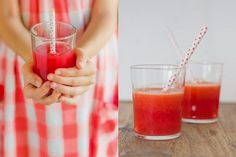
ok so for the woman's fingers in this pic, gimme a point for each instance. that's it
(41, 95)
(29, 76)
(70, 72)
(29, 91)
(43, 90)
(33, 79)
(89, 69)
(67, 90)
(68, 100)
(81, 58)
(36, 93)
(71, 81)
(54, 97)
(35, 88)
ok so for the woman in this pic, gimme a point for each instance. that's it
(34, 123)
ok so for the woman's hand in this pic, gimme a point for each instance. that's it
(72, 82)
(35, 89)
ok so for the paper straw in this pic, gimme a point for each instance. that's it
(177, 49)
(173, 41)
(52, 27)
(186, 57)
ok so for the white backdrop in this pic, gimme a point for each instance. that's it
(144, 39)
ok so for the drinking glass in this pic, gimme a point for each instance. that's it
(157, 112)
(202, 92)
(46, 61)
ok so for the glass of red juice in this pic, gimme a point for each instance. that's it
(157, 112)
(1, 81)
(46, 61)
(202, 92)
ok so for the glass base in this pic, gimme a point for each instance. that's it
(167, 137)
(199, 121)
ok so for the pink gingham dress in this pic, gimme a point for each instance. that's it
(32, 130)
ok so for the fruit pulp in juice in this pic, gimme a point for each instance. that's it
(201, 100)
(157, 113)
(46, 62)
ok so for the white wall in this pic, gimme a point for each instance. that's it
(143, 37)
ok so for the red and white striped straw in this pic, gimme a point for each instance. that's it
(186, 57)
(52, 27)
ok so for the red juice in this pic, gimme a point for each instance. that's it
(201, 100)
(1, 92)
(157, 113)
(46, 62)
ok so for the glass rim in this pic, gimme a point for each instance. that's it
(156, 66)
(60, 38)
(205, 63)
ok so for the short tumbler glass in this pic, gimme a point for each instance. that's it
(47, 61)
(157, 112)
(202, 92)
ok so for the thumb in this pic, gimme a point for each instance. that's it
(81, 59)
(29, 76)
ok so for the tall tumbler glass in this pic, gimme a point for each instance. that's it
(202, 92)
(157, 113)
(45, 61)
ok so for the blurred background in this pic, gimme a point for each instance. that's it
(144, 37)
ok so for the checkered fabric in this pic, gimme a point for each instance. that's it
(88, 129)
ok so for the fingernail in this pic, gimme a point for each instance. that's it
(37, 83)
(50, 77)
(58, 72)
(54, 85)
(48, 84)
